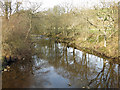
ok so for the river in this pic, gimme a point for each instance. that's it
(54, 65)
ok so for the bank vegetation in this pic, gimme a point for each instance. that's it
(93, 28)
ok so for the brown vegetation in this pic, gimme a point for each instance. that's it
(94, 28)
(14, 33)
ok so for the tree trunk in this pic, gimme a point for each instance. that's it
(17, 6)
(10, 8)
(105, 38)
(6, 10)
(29, 28)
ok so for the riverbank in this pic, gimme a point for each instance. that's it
(55, 65)
(83, 46)
(110, 52)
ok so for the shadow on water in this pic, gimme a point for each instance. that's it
(54, 65)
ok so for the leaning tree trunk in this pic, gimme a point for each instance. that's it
(30, 18)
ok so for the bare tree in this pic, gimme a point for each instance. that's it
(34, 8)
(18, 6)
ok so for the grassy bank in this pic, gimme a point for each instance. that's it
(110, 52)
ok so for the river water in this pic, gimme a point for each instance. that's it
(54, 65)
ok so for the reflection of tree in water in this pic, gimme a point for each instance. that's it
(105, 78)
(119, 73)
(71, 66)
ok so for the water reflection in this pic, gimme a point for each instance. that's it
(80, 68)
(54, 65)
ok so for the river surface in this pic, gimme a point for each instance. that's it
(54, 65)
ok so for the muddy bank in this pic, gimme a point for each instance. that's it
(8, 60)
